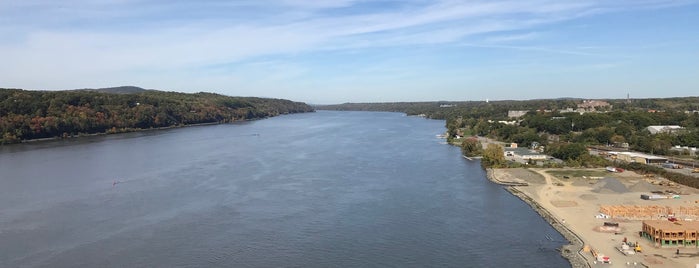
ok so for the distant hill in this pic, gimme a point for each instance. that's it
(27, 114)
(117, 90)
(498, 109)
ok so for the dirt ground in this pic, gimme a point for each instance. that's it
(575, 201)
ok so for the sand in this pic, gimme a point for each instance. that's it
(610, 186)
(571, 206)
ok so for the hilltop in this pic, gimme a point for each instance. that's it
(117, 90)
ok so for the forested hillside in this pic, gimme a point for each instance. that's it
(26, 115)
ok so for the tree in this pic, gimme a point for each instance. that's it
(624, 129)
(26, 115)
(568, 152)
(617, 139)
(493, 156)
(471, 147)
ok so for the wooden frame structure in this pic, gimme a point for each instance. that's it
(649, 212)
(664, 233)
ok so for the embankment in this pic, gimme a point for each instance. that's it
(573, 251)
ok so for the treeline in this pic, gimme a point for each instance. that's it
(26, 115)
(625, 122)
(497, 110)
(446, 109)
(612, 128)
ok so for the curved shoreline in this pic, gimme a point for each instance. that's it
(573, 250)
(132, 130)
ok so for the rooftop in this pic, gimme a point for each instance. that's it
(669, 226)
(646, 156)
(522, 151)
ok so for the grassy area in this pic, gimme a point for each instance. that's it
(577, 173)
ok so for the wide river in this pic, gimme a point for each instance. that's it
(324, 189)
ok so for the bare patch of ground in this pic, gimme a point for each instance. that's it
(527, 175)
(588, 197)
(564, 203)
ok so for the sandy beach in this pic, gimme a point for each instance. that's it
(570, 200)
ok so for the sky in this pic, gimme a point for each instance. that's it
(336, 51)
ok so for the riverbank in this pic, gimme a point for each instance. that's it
(130, 130)
(571, 204)
(572, 251)
(127, 130)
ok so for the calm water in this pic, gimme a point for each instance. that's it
(327, 189)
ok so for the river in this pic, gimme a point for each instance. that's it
(324, 189)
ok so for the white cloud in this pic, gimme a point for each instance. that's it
(61, 42)
(512, 37)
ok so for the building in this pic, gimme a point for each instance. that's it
(665, 233)
(685, 150)
(591, 105)
(664, 129)
(511, 123)
(639, 158)
(516, 114)
(524, 153)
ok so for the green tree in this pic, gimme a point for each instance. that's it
(568, 152)
(493, 156)
(26, 115)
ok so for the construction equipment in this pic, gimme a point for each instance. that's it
(626, 250)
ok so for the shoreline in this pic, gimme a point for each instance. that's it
(573, 251)
(132, 130)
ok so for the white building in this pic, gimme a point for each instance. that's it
(524, 153)
(664, 129)
(516, 114)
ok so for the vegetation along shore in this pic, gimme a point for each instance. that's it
(35, 115)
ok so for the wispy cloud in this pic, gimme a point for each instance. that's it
(540, 49)
(66, 40)
(512, 37)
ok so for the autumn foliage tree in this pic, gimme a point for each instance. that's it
(471, 147)
(26, 115)
(493, 156)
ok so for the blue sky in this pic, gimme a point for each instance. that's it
(357, 50)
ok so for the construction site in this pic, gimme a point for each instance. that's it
(622, 219)
(664, 233)
(651, 212)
